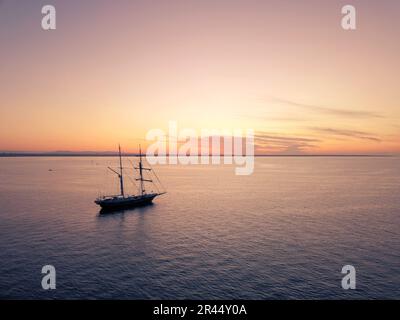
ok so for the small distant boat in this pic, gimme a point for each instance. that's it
(122, 201)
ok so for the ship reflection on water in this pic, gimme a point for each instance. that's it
(140, 208)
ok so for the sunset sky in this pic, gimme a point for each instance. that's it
(113, 70)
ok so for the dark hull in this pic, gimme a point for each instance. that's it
(125, 204)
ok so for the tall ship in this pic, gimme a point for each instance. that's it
(124, 201)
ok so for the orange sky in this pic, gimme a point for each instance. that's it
(115, 69)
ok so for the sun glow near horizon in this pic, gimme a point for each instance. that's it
(110, 73)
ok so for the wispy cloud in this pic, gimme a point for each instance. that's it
(347, 133)
(328, 110)
(273, 118)
(267, 142)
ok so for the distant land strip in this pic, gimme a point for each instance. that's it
(115, 154)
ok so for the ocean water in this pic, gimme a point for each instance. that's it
(284, 232)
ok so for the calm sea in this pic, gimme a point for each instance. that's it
(284, 232)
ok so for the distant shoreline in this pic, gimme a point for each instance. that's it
(113, 154)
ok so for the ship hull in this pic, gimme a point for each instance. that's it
(125, 203)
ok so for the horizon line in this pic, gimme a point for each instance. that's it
(9, 154)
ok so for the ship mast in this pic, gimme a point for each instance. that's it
(141, 171)
(141, 168)
(121, 179)
(120, 173)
